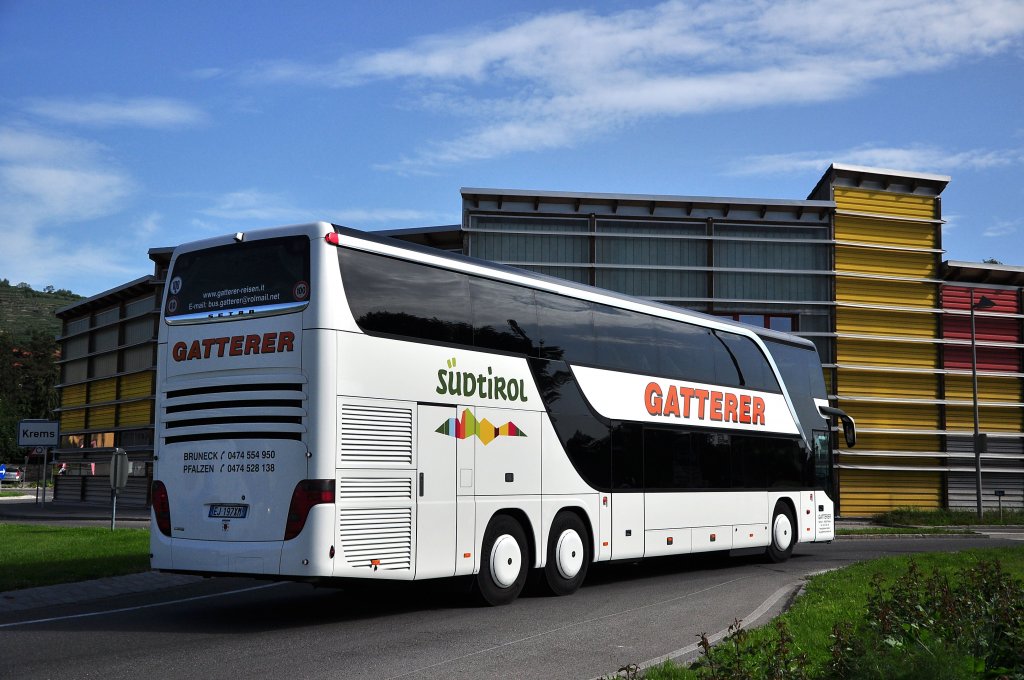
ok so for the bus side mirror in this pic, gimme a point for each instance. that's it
(849, 427)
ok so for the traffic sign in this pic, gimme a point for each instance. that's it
(3, 471)
(37, 433)
(120, 467)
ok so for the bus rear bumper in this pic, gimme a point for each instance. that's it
(293, 558)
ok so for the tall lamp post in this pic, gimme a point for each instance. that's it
(979, 443)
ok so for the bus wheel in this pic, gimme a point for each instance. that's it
(783, 536)
(505, 559)
(568, 554)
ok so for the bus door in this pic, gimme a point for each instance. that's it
(436, 483)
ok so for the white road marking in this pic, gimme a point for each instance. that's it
(138, 607)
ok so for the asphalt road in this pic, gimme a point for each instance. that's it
(629, 613)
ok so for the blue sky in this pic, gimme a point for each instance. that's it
(130, 125)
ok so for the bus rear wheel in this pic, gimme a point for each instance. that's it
(568, 555)
(504, 566)
(783, 534)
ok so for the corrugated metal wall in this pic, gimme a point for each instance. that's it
(1000, 411)
(887, 349)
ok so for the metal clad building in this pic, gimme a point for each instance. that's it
(857, 268)
(107, 388)
(761, 261)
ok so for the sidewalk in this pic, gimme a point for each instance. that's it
(25, 509)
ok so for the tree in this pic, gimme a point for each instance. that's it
(28, 373)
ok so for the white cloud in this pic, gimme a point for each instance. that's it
(1001, 228)
(253, 205)
(549, 81)
(148, 112)
(914, 158)
(51, 188)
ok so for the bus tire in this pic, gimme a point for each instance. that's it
(568, 554)
(505, 562)
(782, 533)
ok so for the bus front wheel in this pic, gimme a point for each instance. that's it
(783, 534)
(568, 554)
(504, 563)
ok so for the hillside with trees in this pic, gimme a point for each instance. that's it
(28, 355)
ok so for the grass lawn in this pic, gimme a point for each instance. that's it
(38, 555)
(842, 595)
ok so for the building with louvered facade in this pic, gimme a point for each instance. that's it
(107, 387)
(858, 268)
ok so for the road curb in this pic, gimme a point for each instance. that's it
(873, 537)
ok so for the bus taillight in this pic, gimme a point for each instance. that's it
(308, 492)
(161, 508)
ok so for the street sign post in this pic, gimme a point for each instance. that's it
(120, 468)
(39, 433)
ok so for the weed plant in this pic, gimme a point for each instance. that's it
(964, 621)
(918, 517)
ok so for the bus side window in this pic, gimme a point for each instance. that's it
(566, 329)
(504, 317)
(684, 351)
(407, 299)
(755, 373)
(625, 340)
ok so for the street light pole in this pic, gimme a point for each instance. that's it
(983, 303)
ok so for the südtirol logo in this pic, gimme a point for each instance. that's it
(468, 426)
(483, 385)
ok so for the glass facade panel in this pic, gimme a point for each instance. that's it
(76, 325)
(105, 339)
(140, 306)
(139, 330)
(502, 223)
(771, 255)
(652, 251)
(575, 274)
(653, 283)
(104, 365)
(651, 227)
(107, 316)
(530, 248)
(75, 371)
(783, 287)
(138, 358)
(76, 347)
(771, 232)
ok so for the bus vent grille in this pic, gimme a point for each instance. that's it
(258, 407)
(376, 435)
(376, 537)
(353, 488)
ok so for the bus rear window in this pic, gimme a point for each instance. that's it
(267, 275)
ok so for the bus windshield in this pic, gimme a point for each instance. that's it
(267, 275)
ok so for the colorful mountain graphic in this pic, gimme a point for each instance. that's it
(468, 426)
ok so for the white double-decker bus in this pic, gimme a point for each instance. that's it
(337, 405)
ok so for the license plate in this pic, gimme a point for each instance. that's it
(229, 511)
